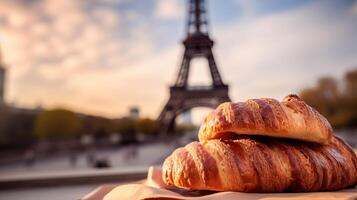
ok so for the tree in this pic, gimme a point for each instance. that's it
(327, 88)
(126, 128)
(16, 128)
(350, 99)
(97, 126)
(351, 83)
(57, 124)
(338, 106)
(323, 96)
(20, 127)
(124, 125)
(4, 118)
(147, 126)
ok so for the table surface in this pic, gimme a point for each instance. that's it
(53, 193)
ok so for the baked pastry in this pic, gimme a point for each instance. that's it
(291, 118)
(262, 164)
(263, 145)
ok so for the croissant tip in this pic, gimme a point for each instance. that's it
(292, 97)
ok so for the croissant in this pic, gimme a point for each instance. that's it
(262, 164)
(233, 153)
(257, 164)
(291, 118)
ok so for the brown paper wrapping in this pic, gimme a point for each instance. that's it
(154, 188)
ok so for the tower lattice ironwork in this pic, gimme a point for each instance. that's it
(182, 96)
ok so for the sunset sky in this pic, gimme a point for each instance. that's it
(101, 57)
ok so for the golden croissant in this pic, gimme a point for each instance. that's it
(263, 145)
(291, 118)
(261, 165)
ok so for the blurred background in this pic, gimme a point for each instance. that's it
(83, 83)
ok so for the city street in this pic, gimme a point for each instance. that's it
(132, 155)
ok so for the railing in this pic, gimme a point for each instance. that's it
(71, 177)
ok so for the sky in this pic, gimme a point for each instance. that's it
(102, 57)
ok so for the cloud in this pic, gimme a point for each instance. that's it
(51, 41)
(107, 17)
(248, 7)
(64, 54)
(117, 89)
(281, 53)
(172, 9)
(67, 53)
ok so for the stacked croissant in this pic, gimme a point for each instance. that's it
(263, 145)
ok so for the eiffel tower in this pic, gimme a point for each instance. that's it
(183, 97)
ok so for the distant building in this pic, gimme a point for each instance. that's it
(134, 112)
(15, 109)
(2, 82)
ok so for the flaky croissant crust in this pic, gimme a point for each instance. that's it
(291, 118)
(262, 164)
